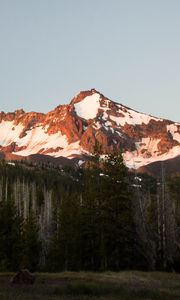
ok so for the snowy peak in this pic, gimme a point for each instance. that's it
(72, 131)
(92, 104)
(83, 94)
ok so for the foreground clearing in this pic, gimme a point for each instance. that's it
(130, 285)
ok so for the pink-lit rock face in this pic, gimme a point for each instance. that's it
(72, 130)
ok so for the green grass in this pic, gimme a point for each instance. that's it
(94, 286)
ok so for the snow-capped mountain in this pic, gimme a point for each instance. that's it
(71, 131)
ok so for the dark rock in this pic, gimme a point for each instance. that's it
(23, 277)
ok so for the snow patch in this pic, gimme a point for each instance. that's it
(37, 139)
(172, 128)
(80, 162)
(132, 117)
(88, 108)
(135, 160)
(70, 151)
(9, 132)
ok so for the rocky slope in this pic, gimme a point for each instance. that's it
(71, 131)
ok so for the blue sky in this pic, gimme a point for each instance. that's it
(127, 49)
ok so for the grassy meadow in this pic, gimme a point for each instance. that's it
(130, 285)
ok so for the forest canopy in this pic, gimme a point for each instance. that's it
(101, 217)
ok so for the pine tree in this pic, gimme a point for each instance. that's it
(65, 246)
(31, 243)
(109, 223)
(10, 237)
(119, 215)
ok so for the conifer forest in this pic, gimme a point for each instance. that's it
(100, 217)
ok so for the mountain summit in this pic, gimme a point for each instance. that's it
(71, 131)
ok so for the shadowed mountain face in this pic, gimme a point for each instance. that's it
(70, 131)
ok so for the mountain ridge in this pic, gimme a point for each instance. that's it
(72, 130)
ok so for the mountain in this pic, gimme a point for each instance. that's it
(70, 131)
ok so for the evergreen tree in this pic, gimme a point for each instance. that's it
(31, 243)
(65, 247)
(119, 214)
(109, 224)
(10, 237)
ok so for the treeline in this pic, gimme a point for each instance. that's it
(98, 218)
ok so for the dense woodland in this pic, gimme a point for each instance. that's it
(101, 217)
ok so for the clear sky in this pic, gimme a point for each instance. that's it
(127, 49)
